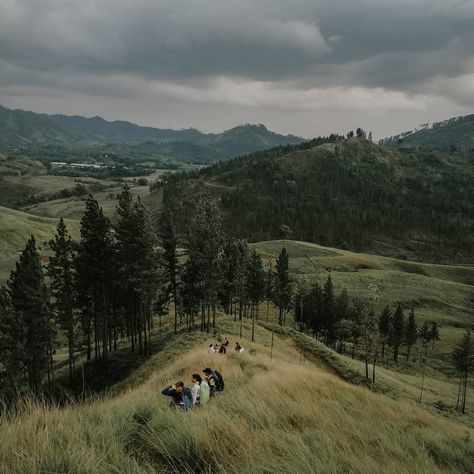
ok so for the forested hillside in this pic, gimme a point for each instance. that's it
(455, 134)
(347, 193)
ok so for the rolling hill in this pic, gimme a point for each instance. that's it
(15, 229)
(346, 193)
(441, 293)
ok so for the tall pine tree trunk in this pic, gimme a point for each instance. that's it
(464, 394)
(252, 312)
(208, 326)
(459, 391)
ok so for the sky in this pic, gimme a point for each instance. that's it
(306, 67)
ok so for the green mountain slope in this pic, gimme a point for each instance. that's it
(38, 134)
(15, 229)
(455, 134)
(348, 194)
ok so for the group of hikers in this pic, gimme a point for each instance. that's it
(221, 347)
(202, 389)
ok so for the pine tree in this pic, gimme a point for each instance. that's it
(301, 292)
(94, 266)
(12, 347)
(255, 286)
(282, 285)
(204, 245)
(342, 305)
(411, 333)
(329, 310)
(169, 242)
(425, 336)
(313, 309)
(463, 357)
(357, 312)
(397, 331)
(385, 320)
(269, 287)
(138, 267)
(228, 261)
(368, 325)
(61, 272)
(241, 279)
(434, 334)
(29, 298)
(191, 291)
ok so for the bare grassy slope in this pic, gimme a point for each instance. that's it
(438, 292)
(15, 229)
(276, 415)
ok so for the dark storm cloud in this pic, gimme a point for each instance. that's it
(300, 54)
(374, 43)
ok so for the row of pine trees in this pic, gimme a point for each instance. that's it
(338, 319)
(95, 292)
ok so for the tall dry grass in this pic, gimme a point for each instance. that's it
(275, 416)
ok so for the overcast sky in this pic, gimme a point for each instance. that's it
(307, 67)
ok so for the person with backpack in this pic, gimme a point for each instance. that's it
(215, 381)
(181, 397)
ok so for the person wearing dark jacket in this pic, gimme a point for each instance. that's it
(179, 398)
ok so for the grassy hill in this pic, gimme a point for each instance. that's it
(15, 229)
(348, 194)
(441, 293)
(281, 414)
(455, 134)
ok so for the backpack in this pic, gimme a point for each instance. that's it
(220, 381)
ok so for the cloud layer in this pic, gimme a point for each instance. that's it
(369, 58)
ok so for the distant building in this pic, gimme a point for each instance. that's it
(62, 164)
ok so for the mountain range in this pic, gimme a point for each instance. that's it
(29, 132)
